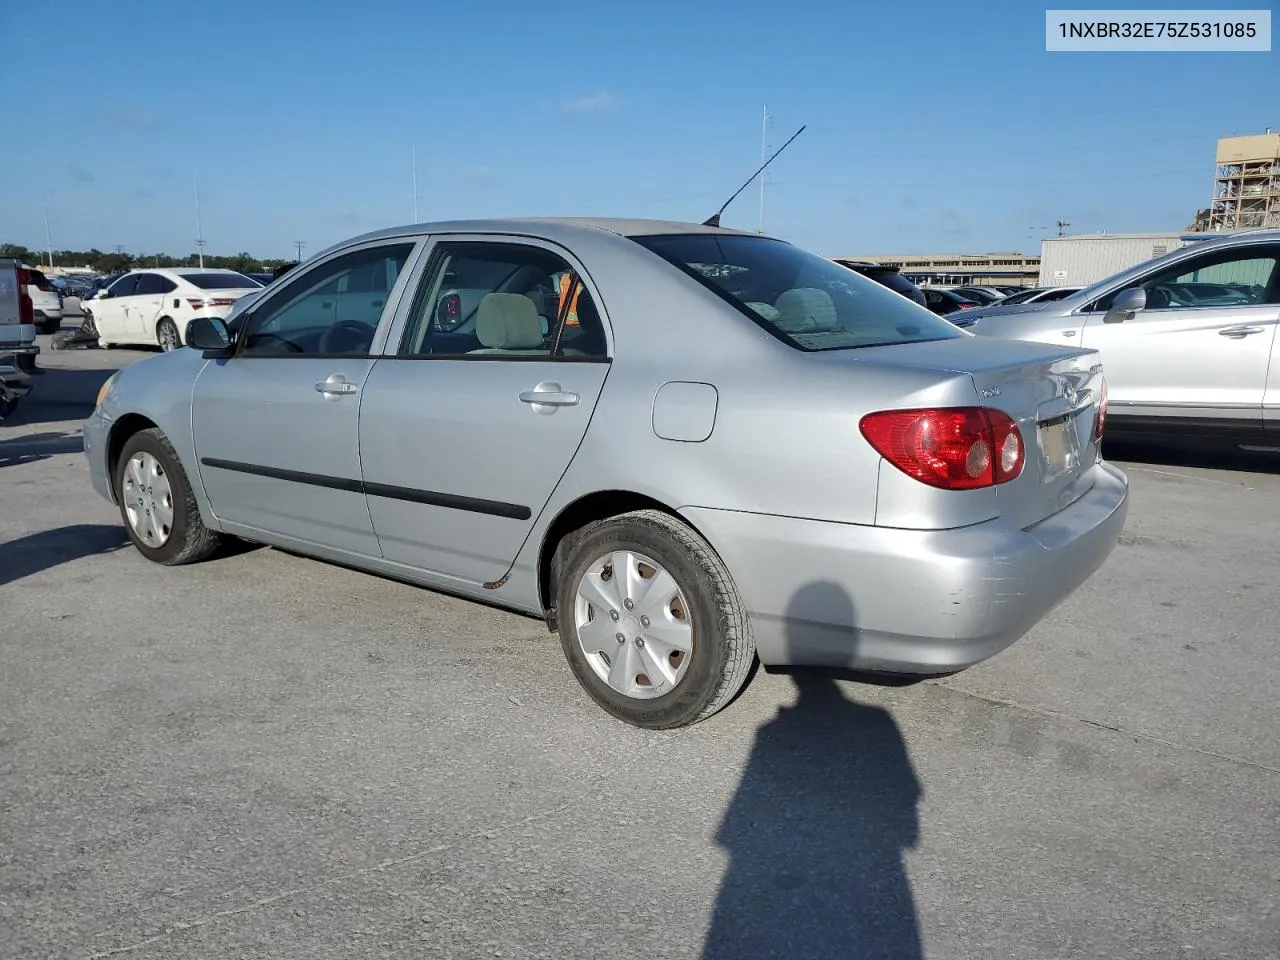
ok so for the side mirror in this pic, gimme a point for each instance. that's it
(102, 294)
(1126, 304)
(209, 334)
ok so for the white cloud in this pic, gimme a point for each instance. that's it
(597, 102)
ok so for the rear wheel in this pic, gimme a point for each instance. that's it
(650, 620)
(167, 335)
(50, 325)
(157, 504)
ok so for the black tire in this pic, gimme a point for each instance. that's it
(167, 335)
(723, 648)
(50, 326)
(189, 541)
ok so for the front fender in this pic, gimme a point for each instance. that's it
(160, 389)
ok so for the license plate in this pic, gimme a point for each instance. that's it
(1058, 442)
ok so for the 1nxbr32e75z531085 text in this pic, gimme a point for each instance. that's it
(1158, 30)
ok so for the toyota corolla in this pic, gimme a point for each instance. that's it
(688, 449)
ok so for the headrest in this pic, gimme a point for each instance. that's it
(508, 321)
(807, 310)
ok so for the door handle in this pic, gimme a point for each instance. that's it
(548, 395)
(1238, 333)
(336, 386)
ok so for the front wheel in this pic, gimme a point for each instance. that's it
(157, 504)
(650, 620)
(167, 335)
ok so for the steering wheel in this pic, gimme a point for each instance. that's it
(362, 336)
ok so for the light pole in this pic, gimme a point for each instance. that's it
(199, 232)
(48, 237)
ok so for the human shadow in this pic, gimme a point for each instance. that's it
(41, 551)
(818, 826)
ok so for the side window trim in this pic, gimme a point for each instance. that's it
(390, 309)
(422, 273)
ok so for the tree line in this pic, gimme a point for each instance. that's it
(113, 262)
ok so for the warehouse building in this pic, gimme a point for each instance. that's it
(958, 269)
(1081, 260)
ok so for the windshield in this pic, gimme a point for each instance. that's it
(221, 281)
(804, 300)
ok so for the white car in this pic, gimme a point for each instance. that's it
(154, 306)
(45, 300)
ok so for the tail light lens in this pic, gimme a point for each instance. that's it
(953, 448)
(26, 309)
(1100, 418)
(199, 303)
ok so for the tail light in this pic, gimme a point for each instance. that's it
(26, 309)
(953, 448)
(1100, 418)
(199, 303)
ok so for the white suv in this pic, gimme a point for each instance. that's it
(45, 299)
(154, 306)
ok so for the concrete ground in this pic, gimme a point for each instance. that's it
(268, 756)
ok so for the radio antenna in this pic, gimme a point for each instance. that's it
(714, 219)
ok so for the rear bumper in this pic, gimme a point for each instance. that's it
(18, 338)
(909, 601)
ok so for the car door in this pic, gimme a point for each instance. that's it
(1201, 347)
(276, 425)
(145, 306)
(109, 313)
(467, 429)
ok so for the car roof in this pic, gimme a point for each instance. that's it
(564, 229)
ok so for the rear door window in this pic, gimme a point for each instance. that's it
(806, 301)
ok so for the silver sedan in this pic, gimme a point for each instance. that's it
(688, 449)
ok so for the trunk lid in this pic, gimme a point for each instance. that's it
(10, 308)
(1051, 392)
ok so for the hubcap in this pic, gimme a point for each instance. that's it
(633, 625)
(148, 499)
(168, 337)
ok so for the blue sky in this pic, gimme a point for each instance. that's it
(931, 126)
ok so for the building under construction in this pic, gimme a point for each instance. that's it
(1246, 187)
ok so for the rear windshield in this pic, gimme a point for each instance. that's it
(221, 281)
(804, 300)
(893, 280)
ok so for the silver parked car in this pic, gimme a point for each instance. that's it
(1188, 338)
(685, 447)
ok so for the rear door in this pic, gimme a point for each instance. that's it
(466, 431)
(1201, 348)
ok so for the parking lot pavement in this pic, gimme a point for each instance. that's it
(268, 756)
